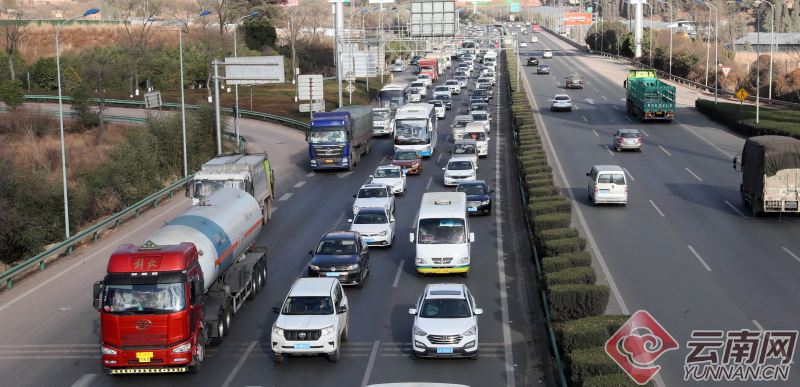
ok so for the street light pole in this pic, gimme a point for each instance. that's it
(61, 119)
(236, 87)
(716, 47)
(651, 33)
(758, 58)
(708, 49)
(670, 34)
(602, 30)
(183, 103)
(771, 45)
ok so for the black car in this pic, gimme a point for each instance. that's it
(479, 199)
(533, 61)
(415, 59)
(479, 94)
(341, 254)
(543, 69)
(447, 101)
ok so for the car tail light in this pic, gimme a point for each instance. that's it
(621, 140)
(595, 189)
(639, 139)
(626, 189)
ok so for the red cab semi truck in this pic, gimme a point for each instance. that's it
(536, 28)
(429, 66)
(161, 303)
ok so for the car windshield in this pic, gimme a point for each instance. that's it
(461, 123)
(445, 98)
(544, 67)
(436, 103)
(461, 165)
(387, 173)
(307, 305)
(411, 132)
(461, 78)
(376, 218)
(441, 231)
(144, 298)
(424, 76)
(478, 107)
(611, 178)
(479, 93)
(475, 136)
(337, 247)
(630, 135)
(369, 193)
(452, 82)
(380, 116)
(442, 89)
(486, 86)
(203, 188)
(405, 156)
(444, 308)
(472, 189)
(417, 84)
(480, 117)
(575, 78)
(461, 74)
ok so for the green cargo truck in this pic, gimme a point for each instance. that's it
(647, 97)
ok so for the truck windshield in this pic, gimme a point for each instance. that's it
(307, 305)
(441, 231)
(203, 188)
(327, 134)
(380, 116)
(412, 132)
(144, 298)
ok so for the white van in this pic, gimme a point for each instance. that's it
(443, 236)
(608, 184)
(477, 131)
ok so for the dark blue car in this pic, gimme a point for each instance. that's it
(479, 199)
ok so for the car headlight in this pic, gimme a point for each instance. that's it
(420, 261)
(419, 332)
(471, 174)
(398, 184)
(186, 347)
(471, 331)
(107, 351)
(485, 202)
(463, 261)
(313, 267)
(356, 208)
(277, 331)
(414, 165)
(328, 330)
(351, 267)
(427, 148)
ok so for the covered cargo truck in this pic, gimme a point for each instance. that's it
(770, 173)
(337, 139)
(249, 172)
(429, 66)
(162, 302)
(647, 97)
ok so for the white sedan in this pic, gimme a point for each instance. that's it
(376, 226)
(561, 102)
(374, 195)
(392, 176)
(523, 44)
(459, 169)
(398, 67)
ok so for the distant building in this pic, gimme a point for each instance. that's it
(784, 41)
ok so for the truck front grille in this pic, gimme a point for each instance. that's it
(436, 339)
(328, 151)
(302, 335)
(144, 340)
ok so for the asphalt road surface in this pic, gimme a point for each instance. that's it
(52, 334)
(685, 248)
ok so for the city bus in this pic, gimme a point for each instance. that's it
(415, 128)
(394, 96)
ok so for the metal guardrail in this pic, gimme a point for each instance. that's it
(664, 74)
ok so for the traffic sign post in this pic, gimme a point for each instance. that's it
(309, 88)
(742, 94)
(726, 70)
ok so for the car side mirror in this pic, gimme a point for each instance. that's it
(491, 191)
(97, 290)
(198, 288)
(276, 309)
(412, 311)
(588, 174)
(349, 220)
(341, 309)
(391, 158)
(188, 188)
(411, 237)
(311, 252)
(472, 237)
(392, 220)
(355, 195)
(478, 312)
(566, 77)
(444, 169)
(734, 162)
(371, 176)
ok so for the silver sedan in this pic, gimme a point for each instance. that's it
(627, 139)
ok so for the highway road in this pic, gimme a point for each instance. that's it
(52, 333)
(684, 249)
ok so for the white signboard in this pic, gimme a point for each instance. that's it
(152, 100)
(363, 63)
(380, 1)
(309, 87)
(316, 106)
(433, 18)
(254, 70)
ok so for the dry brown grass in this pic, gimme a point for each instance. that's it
(33, 143)
(783, 62)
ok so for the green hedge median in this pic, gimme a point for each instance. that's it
(538, 169)
(587, 363)
(570, 302)
(771, 121)
(551, 221)
(573, 276)
(563, 246)
(565, 261)
(589, 332)
(556, 233)
(548, 207)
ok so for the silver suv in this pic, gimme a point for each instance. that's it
(627, 139)
(445, 322)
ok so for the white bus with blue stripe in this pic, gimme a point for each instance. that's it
(415, 129)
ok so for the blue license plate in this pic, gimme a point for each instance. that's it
(336, 274)
(405, 170)
(444, 350)
(472, 209)
(302, 346)
(368, 240)
(605, 191)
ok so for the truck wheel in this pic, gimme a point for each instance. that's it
(257, 279)
(266, 211)
(334, 357)
(198, 359)
(277, 358)
(369, 146)
(264, 274)
(253, 291)
(215, 341)
(755, 205)
(227, 315)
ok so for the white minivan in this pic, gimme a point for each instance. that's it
(443, 237)
(607, 184)
(477, 131)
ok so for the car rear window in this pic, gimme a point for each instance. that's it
(611, 178)
(630, 135)
(562, 98)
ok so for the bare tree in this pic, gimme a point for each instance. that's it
(227, 12)
(138, 18)
(13, 32)
(97, 68)
(318, 14)
(295, 20)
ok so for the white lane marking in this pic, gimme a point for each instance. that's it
(665, 151)
(399, 271)
(699, 258)
(595, 133)
(274, 209)
(285, 196)
(704, 139)
(429, 183)
(609, 150)
(604, 97)
(577, 108)
(303, 271)
(629, 119)
(299, 184)
(615, 107)
(659, 211)
(85, 380)
(629, 174)
(791, 253)
(123, 238)
(371, 363)
(383, 159)
(584, 118)
(760, 328)
(310, 174)
(341, 218)
(438, 159)
(611, 283)
(645, 133)
(695, 176)
(414, 223)
(447, 140)
(735, 209)
(343, 174)
(239, 364)
(594, 89)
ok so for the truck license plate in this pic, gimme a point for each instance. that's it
(302, 346)
(334, 274)
(442, 271)
(144, 357)
(444, 350)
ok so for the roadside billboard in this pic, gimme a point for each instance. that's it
(578, 19)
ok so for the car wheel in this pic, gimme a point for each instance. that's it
(474, 357)
(465, 274)
(334, 357)
(414, 356)
(569, 109)
(360, 283)
(277, 358)
(346, 330)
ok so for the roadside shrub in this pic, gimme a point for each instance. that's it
(531, 161)
(541, 176)
(531, 183)
(570, 302)
(615, 380)
(587, 332)
(573, 276)
(12, 93)
(548, 207)
(556, 247)
(544, 191)
(534, 169)
(556, 233)
(530, 140)
(771, 122)
(529, 147)
(565, 261)
(533, 154)
(586, 363)
(551, 221)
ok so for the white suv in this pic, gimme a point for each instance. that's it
(313, 320)
(445, 322)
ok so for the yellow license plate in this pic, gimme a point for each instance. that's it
(442, 271)
(144, 357)
(328, 161)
